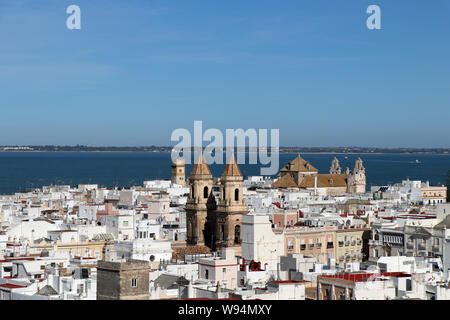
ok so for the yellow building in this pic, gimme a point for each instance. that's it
(434, 195)
(350, 245)
(91, 248)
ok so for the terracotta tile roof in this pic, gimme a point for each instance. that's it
(231, 168)
(200, 167)
(286, 181)
(299, 165)
(325, 181)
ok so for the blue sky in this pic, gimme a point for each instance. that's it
(139, 69)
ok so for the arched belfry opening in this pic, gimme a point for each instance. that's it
(237, 234)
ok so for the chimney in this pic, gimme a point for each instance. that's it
(315, 185)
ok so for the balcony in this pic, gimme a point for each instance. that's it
(341, 243)
(302, 246)
(353, 243)
(422, 246)
(436, 248)
(330, 245)
(319, 245)
(311, 246)
(347, 243)
(359, 242)
(410, 245)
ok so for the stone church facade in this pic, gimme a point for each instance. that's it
(212, 222)
(300, 174)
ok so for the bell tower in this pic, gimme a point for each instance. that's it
(178, 172)
(357, 180)
(335, 167)
(198, 202)
(230, 208)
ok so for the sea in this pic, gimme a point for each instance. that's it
(21, 171)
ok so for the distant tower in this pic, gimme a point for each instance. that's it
(109, 252)
(198, 203)
(357, 180)
(231, 207)
(335, 167)
(179, 172)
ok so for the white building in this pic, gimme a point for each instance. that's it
(259, 242)
(222, 270)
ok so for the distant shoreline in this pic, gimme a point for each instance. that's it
(280, 152)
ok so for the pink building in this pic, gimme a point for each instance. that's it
(109, 211)
(285, 218)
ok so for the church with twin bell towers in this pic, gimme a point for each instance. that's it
(212, 222)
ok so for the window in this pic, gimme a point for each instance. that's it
(80, 289)
(330, 242)
(134, 282)
(205, 192)
(236, 194)
(319, 243)
(152, 258)
(125, 223)
(224, 270)
(206, 274)
(237, 234)
(290, 245)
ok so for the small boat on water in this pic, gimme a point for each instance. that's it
(417, 161)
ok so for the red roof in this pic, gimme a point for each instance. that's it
(359, 277)
(16, 258)
(11, 286)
